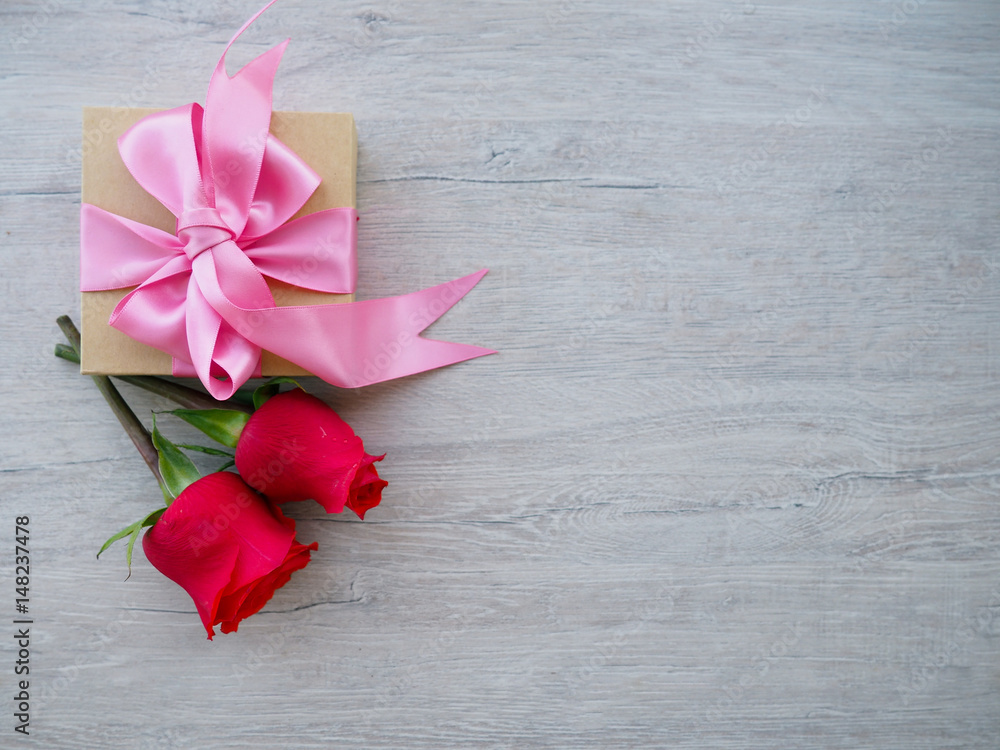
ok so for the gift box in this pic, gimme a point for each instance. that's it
(190, 214)
(327, 142)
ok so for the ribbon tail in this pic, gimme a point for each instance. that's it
(355, 344)
(391, 362)
(371, 341)
(235, 131)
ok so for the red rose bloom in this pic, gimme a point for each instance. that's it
(227, 547)
(295, 447)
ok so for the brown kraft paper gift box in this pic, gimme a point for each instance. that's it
(327, 142)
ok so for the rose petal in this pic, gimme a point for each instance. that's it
(366, 489)
(295, 447)
(226, 546)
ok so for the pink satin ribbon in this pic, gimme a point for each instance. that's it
(201, 296)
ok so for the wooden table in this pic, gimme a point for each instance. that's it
(732, 481)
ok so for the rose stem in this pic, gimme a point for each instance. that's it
(189, 398)
(133, 427)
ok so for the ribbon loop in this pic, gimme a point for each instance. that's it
(233, 188)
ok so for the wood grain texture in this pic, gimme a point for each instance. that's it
(732, 481)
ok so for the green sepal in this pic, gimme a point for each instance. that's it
(177, 470)
(270, 388)
(147, 521)
(120, 535)
(132, 532)
(244, 397)
(222, 425)
(204, 449)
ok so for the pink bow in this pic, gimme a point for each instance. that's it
(201, 296)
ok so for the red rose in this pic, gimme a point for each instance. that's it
(227, 547)
(295, 447)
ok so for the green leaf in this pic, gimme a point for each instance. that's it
(204, 449)
(270, 388)
(147, 521)
(128, 550)
(132, 532)
(226, 465)
(177, 470)
(222, 425)
(121, 534)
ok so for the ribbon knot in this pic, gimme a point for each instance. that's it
(234, 192)
(201, 229)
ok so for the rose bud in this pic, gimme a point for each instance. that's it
(227, 547)
(295, 447)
